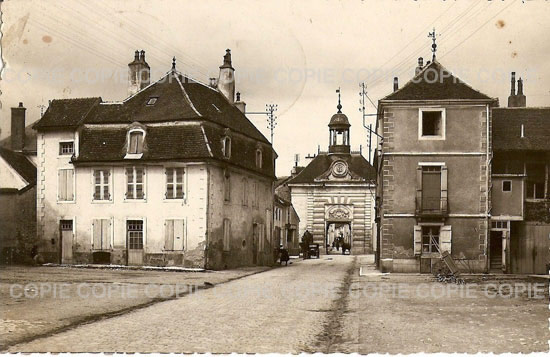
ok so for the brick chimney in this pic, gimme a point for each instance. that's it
(240, 104)
(18, 127)
(395, 83)
(521, 100)
(139, 73)
(226, 80)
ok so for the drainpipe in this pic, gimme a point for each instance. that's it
(488, 178)
(207, 216)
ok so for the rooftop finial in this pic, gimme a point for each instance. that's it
(174, 63)
(433, 35)
(339, 106)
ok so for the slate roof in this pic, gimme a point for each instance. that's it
(426, 85)
(66, 113)
(357, 165)
(507, 129)
(21, 164)
(205, 113)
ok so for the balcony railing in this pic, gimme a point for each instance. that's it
(431, 206)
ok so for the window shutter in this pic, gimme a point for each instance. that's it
(169, 235)
(417, 240)
(179, 229)
(139, 144)
(106, 234)
(445, 237)
(96, 232)
(70, 184)
(62, 186)
(444, 188)
(419, 188)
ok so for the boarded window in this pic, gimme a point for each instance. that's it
(174, 183)
(226, 234)
(135, 186)
(66, 185)
(102, 190)
(174, 234)
(101, 234)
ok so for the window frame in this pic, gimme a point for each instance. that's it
(175, 183)
(531, 181)
(226, 186)
(507, 182)
(226, 147)
(259, 158)
(134, 184)
(431, 226)
(143, 232)
(443, 134)
(61, 142)
(109, 185)
(151, 98)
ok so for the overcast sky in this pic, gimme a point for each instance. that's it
(293, 53)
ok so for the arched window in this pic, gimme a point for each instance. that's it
(259, 158)
(226, 147)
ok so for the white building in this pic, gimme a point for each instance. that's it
(173, 175)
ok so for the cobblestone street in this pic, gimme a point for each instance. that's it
(271, 311)
(325, 305)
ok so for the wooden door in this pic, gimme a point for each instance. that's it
(67, 238)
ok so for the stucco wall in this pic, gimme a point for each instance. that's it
(507, 204)
(154, 210)
(242, 217)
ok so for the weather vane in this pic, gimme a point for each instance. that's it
(433, 35)
(339, 106)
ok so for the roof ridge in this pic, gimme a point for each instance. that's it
(151, 84)
(186, 97)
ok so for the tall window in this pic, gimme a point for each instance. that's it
(66, 148)
(245, 192)
(226, 234)
(430, 239)
(226, 147)
(227, 186)
(135, 187)
(431, 188)
(174, 183)
(135, 142)
(259, 158)
(135, 234)
(65, 185)
(536, 176)
(102, 189)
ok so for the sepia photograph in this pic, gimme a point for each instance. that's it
(275, 177)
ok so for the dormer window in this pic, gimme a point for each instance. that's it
(226, 147)
(135, 140)
(152, 101)
(259, 158)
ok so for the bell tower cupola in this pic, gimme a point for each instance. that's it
(339, 125)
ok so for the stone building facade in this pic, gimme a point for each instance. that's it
(336, 192)
(434, 173)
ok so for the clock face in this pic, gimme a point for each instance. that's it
(340, 169)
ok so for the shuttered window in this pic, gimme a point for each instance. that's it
(432, 239)
(174, 183)
(226, 234)
(65, 185)
(102, 189)
(135, 183)
(174, 234)
(101, 234)
(135, 145)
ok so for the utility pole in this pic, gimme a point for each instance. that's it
(362, 109)
(271, 118)
(270, 109)
(41, 106)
